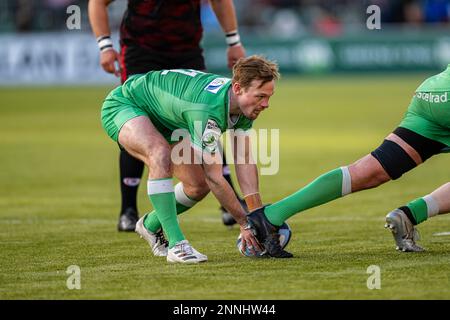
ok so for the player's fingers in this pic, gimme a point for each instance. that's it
(112, 67)
(232, 59)
(256, 244)
(243, 242)
(234, 54)
(248, 244)
(117, 70)
(108, 67)
(108, 59)
(251, 241)
(117, 67)
(231, 63)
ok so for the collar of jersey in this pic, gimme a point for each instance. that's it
(230, 123)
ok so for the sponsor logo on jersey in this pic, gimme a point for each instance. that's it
(430, 97)
(215, 85)
(211, 136)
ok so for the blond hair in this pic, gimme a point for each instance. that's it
(254, 68)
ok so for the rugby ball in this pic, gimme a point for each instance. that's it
(285, 235)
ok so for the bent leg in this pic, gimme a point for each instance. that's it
(193, 179)
(142, 140)
(191, 189)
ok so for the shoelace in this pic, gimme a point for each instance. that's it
(410, 231)
(187, 249)
(412, 234)
(161, 239)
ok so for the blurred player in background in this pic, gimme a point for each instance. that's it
(423, 132)
(149, 113)
(156, 35)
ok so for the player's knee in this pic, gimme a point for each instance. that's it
(197, 190)
(377, 177)
(394, 160)
(159, 157)
(365, 174)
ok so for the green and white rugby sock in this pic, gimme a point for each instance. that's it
(421, 209)
(162, 196)
(183, 203)
(329, 186)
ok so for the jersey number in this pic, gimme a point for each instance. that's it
(187, 72)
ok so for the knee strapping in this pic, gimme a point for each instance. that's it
(393, 159)
(425, 147)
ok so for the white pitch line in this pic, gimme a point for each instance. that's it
(442, 233)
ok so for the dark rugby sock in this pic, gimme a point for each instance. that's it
(130, 176)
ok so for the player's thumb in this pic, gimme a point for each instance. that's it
(108, 59)
(116, 64)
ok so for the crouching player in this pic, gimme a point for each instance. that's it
(423, 132)
(147, 111)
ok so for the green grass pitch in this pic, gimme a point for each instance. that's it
(59, 201)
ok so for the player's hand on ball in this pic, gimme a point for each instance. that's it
(249, 240)
(108, 61)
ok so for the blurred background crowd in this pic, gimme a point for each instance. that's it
(304, 36)
(285, 18)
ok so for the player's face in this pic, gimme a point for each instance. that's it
(254, 99)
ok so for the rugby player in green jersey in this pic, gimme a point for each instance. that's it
(423, 132)
(149, 113)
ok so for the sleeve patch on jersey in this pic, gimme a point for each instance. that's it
(211, 136)
(215, 85)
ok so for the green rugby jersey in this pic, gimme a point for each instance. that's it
(186, 99)
(429, 111)
(437, 83)
(432, 99)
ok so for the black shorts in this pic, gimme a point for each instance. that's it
(137, 60)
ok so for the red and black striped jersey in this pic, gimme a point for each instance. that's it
(162, 25)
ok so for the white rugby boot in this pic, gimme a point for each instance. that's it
(404, 232)
(157, 241)
(183, 252)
